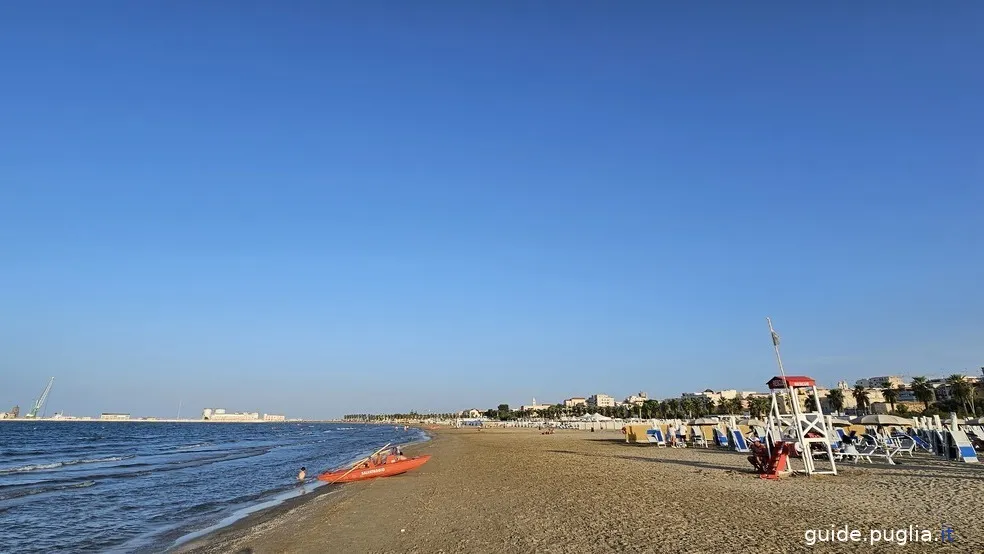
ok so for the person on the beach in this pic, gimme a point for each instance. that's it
(302, 475)
(760, 455)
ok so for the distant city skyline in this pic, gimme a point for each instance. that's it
(325, 210)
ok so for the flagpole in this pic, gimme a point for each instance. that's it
(793, 400)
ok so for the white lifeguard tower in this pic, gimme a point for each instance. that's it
(790, 422)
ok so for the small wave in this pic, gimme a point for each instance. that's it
(189, 446)
(42, 489)
(53, 465)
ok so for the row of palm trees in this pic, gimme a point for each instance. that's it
(962, 391)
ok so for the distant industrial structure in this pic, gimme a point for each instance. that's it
(219, 414)
(40, 401)
(112, 416)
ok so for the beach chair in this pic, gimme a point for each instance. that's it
(905, 444)
(720, 438)
(741, 445)
(841, 434)
(697, 437)
(655, 436)
(919, 441)
(868, 451)
(959, 447)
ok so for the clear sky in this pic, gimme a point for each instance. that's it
(317, 208)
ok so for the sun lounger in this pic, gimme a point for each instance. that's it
(919, 441)
(739, 439)
(905, 444)
(868, 451)
(697, 438)
(720, 438)
(655, 436)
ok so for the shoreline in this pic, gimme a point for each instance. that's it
(515, 490)
(207, 539)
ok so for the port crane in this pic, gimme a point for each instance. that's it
(40, 402)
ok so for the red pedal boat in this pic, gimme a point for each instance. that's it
(369, 470)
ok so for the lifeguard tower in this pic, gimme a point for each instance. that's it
(790, 422)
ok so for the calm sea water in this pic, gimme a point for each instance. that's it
(140, 487)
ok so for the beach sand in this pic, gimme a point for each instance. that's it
(515, 490)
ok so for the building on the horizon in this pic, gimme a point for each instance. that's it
(114, 416)
(274, 417)
(472, 413)
(636, 399)
(717, 396)
(882, 382)
(601, 401)
(534, 407)
(12, 414)
(219, 414)
(575, 401)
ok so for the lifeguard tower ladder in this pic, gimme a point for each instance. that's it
(789, 421)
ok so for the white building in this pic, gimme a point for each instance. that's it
(601, 401)
(274, 417)
(636, 399)
(110, 416)
(576, 401)
(534, 407)
(219, 414)
(881, 382)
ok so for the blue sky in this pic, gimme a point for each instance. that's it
(317, 208)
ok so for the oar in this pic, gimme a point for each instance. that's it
(356, 464)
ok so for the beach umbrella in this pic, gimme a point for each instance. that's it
(752, 422)
(883, 419)
(840, 422)
(978, 421)
(704, 421)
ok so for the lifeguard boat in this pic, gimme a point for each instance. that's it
(389, 466)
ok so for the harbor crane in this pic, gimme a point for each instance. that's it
(41, 399)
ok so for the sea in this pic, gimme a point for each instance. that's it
(92, 486)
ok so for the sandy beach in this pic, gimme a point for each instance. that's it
(515, 490)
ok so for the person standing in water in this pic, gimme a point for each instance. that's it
(302, 475)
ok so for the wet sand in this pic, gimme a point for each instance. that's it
(515, 490)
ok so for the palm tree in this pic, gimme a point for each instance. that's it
(810, 404)
(689, 406)
(923, 391)
(759, 406)
(861, 397)
(836, 399)
(673, 408)
(961, 391)
(891, 395)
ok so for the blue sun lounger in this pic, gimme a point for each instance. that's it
(720, 438)
(655, 436)
(741, 445)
